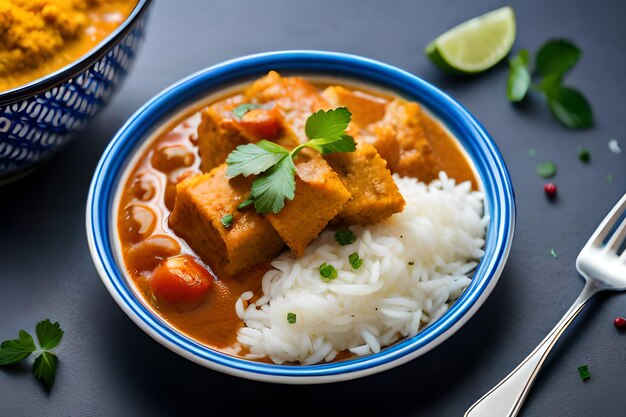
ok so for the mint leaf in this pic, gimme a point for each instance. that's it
(329, 124)
(569, 107)
(252, 159)
(45, 368)
(277, 184)
(244, 108)
(15, 350)
(519, 77)
(557, 56)
(48, 334)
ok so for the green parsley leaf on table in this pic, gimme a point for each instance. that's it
(244, 108)
(49, 336)
(45, 368)
(519, 77)
(274, 164)
(15, 350)
(557, 56)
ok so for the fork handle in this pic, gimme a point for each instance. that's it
(506, 398)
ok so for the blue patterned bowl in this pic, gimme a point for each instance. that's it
(38, 118)
(108, 180)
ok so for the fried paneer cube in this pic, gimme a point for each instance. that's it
(202, 201)
(320, 195)
(375, 195)
(416, 158)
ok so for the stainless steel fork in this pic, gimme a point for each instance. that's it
(604, 270)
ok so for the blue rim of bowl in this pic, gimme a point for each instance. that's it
(74, 68)
(478, 144)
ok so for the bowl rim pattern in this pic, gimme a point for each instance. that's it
(76, 67)
(500, 204)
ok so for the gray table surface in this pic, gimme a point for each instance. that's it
(109, 367)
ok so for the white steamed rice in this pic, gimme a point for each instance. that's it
(440, 232)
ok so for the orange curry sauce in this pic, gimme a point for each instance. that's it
(146, 203)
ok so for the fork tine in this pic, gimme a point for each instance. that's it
(605, 227)
(618, 237)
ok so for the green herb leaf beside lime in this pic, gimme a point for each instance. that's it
(519, 77)
(557, 56)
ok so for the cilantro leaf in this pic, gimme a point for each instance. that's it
(15, 350)
(270, 191)
(244, 108)
(569, 107)
(45, 368)
(344, 143)
(48, 334)
(328, 124)
(252, 159)
(557, 56)
(274, 164)
(519, 77)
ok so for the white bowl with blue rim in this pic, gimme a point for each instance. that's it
(480, 148)
(38, 118)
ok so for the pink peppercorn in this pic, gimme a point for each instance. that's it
(550, 189)
(620, 323)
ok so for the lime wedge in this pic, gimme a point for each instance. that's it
(476, 45)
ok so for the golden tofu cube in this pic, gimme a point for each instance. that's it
(202, 201)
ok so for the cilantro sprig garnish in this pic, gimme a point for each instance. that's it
(274, 165)
(555, 58)
(49, 336)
